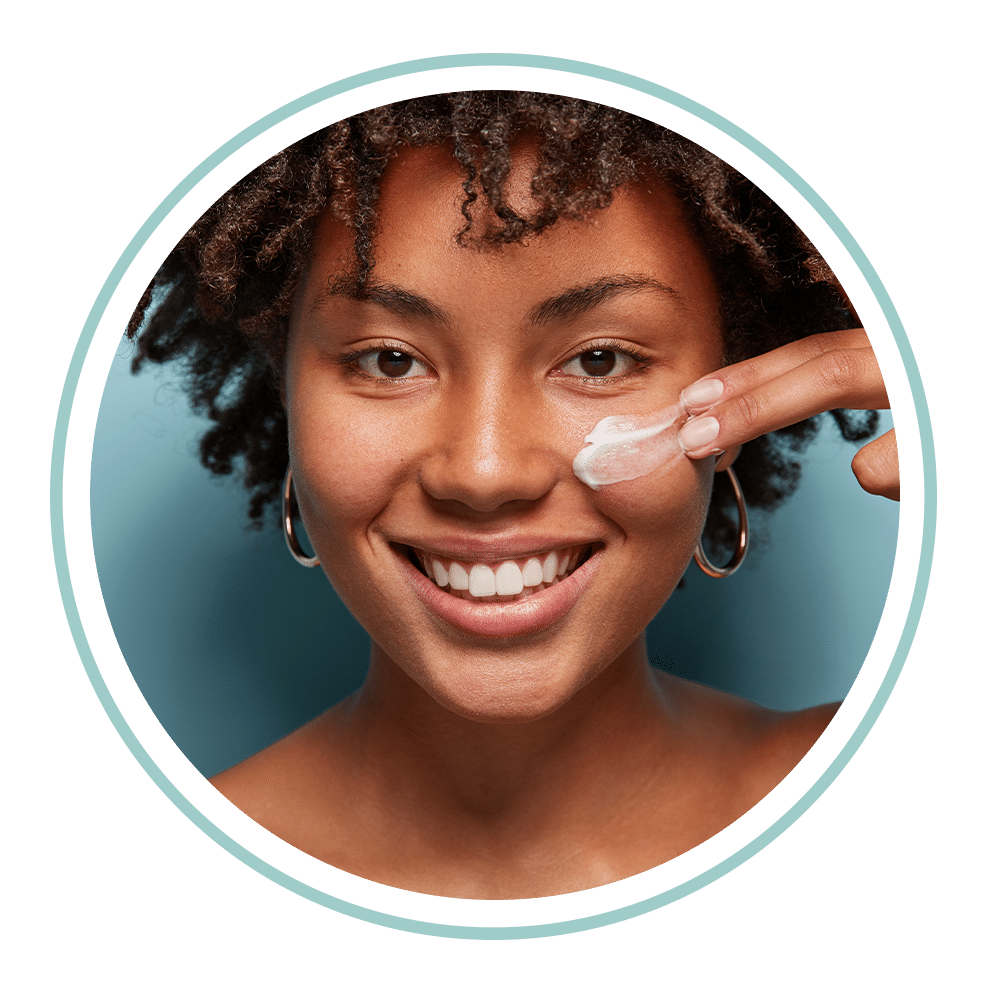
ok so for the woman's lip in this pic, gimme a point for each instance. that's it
(501, 619)
(465, 549)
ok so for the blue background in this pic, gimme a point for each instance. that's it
(234, 645)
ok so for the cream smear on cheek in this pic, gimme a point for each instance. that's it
(627, 447)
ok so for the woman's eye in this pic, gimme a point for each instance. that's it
(390, 364)
(600, 363)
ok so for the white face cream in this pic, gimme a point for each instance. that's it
(628, 447)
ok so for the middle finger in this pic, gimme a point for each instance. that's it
(842, 378)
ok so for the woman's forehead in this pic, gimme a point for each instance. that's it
(644, 230)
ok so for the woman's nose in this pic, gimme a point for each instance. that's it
(491, 446)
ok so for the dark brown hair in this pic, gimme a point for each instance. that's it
(220, 303)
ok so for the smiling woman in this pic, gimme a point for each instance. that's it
(437, 421)
(417, 319)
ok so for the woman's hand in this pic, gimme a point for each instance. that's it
(823, 372)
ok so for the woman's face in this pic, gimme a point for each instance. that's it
(436, 421)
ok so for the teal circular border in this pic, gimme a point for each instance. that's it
(59, 456)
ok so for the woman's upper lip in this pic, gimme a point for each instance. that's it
(492, 548)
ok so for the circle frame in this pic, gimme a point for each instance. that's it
(58, 476)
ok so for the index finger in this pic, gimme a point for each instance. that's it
(748, 403)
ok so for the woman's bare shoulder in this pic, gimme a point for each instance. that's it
(296, 769)
(785, 738)
(759, 745)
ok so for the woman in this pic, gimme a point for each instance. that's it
(413, 320)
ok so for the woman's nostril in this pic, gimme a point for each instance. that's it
(485, 479)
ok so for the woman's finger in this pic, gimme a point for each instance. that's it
(840, 378)
(876, 466)
(728, 382)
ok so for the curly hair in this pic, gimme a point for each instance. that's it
(220, 302)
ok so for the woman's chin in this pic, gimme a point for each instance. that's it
(509, 684)
(512, 694)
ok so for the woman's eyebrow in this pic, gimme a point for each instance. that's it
(565, 305)
(578, 300)
(392, 297)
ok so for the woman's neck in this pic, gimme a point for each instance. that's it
(502, 783)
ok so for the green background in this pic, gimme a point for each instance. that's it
(881, 887)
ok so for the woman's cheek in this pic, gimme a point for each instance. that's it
(666, 509)
(345, 464)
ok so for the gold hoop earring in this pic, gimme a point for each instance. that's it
(718, 572)
(286, 516)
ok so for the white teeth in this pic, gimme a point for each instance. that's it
(532, 573)
(550, 567)
(441, 575)
(509, 580)
(457, 577)
(482, 581)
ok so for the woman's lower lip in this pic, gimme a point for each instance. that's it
(500, 619)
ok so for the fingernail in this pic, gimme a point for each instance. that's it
(697, 433)
(702, 394)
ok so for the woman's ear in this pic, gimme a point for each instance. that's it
(724, 460)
